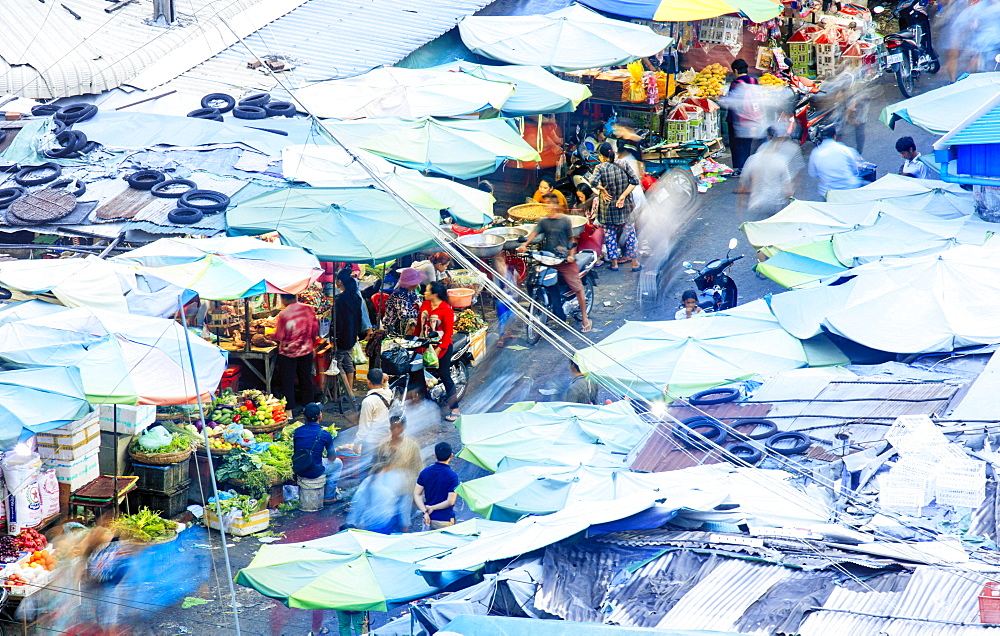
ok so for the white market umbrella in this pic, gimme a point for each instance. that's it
(694, 354)
(906, 305)
(122, 358)
(536, 91)
(332, 166)
(939, 110)
(403, 92)
(573, 38)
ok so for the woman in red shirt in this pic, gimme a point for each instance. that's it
(437, 322)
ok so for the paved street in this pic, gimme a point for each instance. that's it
(521, 372)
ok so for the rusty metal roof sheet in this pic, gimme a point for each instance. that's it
(661, 450)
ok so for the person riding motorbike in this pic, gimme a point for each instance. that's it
(557, 238)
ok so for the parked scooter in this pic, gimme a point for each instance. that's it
(403, 358)
(717, 290)
(910, 52)
(545, 286)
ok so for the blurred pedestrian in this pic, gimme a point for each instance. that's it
(347, 324)
(834, 165)
(400, 453)
(373, 419)
(582, 390)
(434, 493)
(744, 115)
(295, 332)
(912, 166)
(506, 324)
(766, 184)
(309, 442)
(350, 623)
(615, 182)
(588, 147)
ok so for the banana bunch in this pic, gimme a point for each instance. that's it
(710, 80)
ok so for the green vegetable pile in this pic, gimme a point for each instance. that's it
(276, 462)
(243, 503)
(244, 467)
(178, 442)
(144, 526)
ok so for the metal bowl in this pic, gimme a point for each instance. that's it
(482, 245)
(576, 222)
(510, 235)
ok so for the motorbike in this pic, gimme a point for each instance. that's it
(544, 285)
(717, 290)
(403, 358)
(910, 52)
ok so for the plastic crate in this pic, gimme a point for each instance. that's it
(230, 379)
(989, 604)
(168, 503)
(162, 478)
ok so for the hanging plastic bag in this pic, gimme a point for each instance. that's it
(430, 357)
(358, 354)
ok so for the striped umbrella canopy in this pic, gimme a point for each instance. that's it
(686, 10)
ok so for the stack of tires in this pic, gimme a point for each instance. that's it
(252, 107)
(193, 204)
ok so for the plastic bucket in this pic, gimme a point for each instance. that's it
(311, 493)
(460, 296)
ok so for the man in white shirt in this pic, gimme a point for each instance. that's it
(834, 165)
(373, 421)
(912, 165)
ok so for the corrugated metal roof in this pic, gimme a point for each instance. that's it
(862, 409)
(720, 599)
(320, 40)
(46, 52)
(934, 601)
(661, 451)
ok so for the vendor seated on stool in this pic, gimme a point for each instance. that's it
(310, 436)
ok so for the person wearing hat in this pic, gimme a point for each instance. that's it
(312, 439)
(434, 268)
(403, 304)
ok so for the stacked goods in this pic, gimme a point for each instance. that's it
(768, 79)
(72, 450)
(469, 322)
(710, 80)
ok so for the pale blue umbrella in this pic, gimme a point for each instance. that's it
(38, 400)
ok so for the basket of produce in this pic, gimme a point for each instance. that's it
(256, 411)
(241, 515)
(145, 526)
(160, 447)
(528, 211)
(469, 321)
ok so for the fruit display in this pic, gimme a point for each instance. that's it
(249, 408)
(28, 574)
(42, 559)
(31, 540)
(9, 552)
(710, 80)
(469, 321)
(769, 79)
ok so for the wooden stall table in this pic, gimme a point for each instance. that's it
(259, 360)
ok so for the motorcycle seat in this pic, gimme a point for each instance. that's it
(904, 35)
(584, 258)
(459, 340)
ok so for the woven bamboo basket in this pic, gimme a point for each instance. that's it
(217, 452)
(267, 428)
(159, 459)
(528, 211)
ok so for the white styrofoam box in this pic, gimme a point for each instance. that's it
(257, 522)
(78, 472)
(58, 437)
(130, 419)
(69, 453)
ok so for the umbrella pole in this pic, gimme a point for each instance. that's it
(246, 324)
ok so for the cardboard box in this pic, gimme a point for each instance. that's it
(257, 522)
(68, 452)
(121, 418)
(78, 472)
